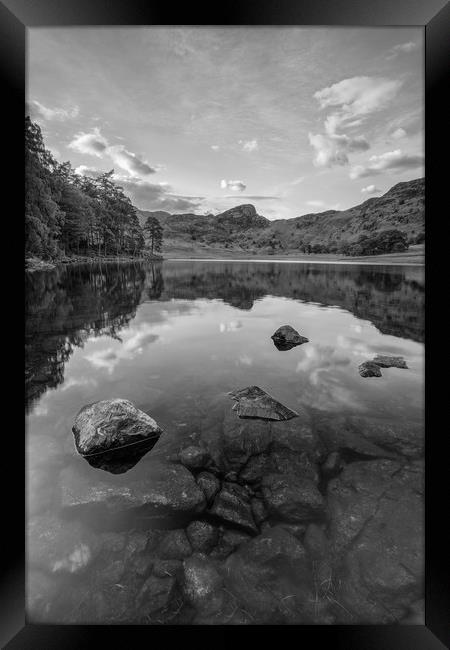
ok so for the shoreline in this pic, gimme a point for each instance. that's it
(35, 264)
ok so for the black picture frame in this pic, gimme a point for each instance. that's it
(434, 15)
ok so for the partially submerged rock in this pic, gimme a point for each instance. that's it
(390, 362)
(369, 369)
(112, 425)
(253, 402)
(286, 338)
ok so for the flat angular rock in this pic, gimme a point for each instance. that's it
(111, 425)
(369, 369)
(390, 362)
(253, 402)
(286, 338)
(232, 505)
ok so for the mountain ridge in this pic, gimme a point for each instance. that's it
(241, 228)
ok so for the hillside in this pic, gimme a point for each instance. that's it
(241, 229)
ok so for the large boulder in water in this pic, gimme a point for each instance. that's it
(286, 338)
(111, 425)
(253, 402)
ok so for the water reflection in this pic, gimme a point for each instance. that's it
(123, 459)
(67, 306)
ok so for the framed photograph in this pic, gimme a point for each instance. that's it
(227, 413)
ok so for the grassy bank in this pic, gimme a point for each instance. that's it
(414, 255)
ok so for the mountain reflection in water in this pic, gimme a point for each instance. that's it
(67, 306)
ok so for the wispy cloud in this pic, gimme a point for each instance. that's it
(402, 48)
(396, 161)
(353, 100)
(398, 134)
(95, 144)
(59, 114)
(92, 144)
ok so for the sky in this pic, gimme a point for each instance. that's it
(294, 120)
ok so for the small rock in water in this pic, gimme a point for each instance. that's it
(390, 362)
(202, 536)
(110, 425)
(253, 402)
(209, 484)
(175, 546)
(286, 338)
(202, 583)
(369, 369)
(193, 457)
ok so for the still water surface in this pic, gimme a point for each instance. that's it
(171, 337)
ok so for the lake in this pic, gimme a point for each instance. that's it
(175, 338)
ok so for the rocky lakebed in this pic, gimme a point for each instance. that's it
(262, 515)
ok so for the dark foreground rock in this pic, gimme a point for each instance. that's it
(202, 584)
(369, 369)
(286, 338)
(390, 362)
(292, 498)
(376, 529)
(111, 425)
(253, 402)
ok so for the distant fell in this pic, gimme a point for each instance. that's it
(242, 229)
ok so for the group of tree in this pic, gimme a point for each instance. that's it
(66, 213)
(384, 241)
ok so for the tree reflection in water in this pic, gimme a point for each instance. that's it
(66, 306)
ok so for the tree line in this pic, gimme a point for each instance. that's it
(67, 214)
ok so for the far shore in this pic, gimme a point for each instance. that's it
(414, 256)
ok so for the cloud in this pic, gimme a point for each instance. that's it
(398, 134)
(402, 48)
(157, 196)
(353, 100)
(60, 114)
(235, 186)
(93, 144)
(129, 161)
(297, 181)
(396, 160)
(249, 145)
(370, 189)
(215, 147)
(84, 170)
(332, 149)
(315, 204)
(357, 96)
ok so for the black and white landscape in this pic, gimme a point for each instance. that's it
(224, 343)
